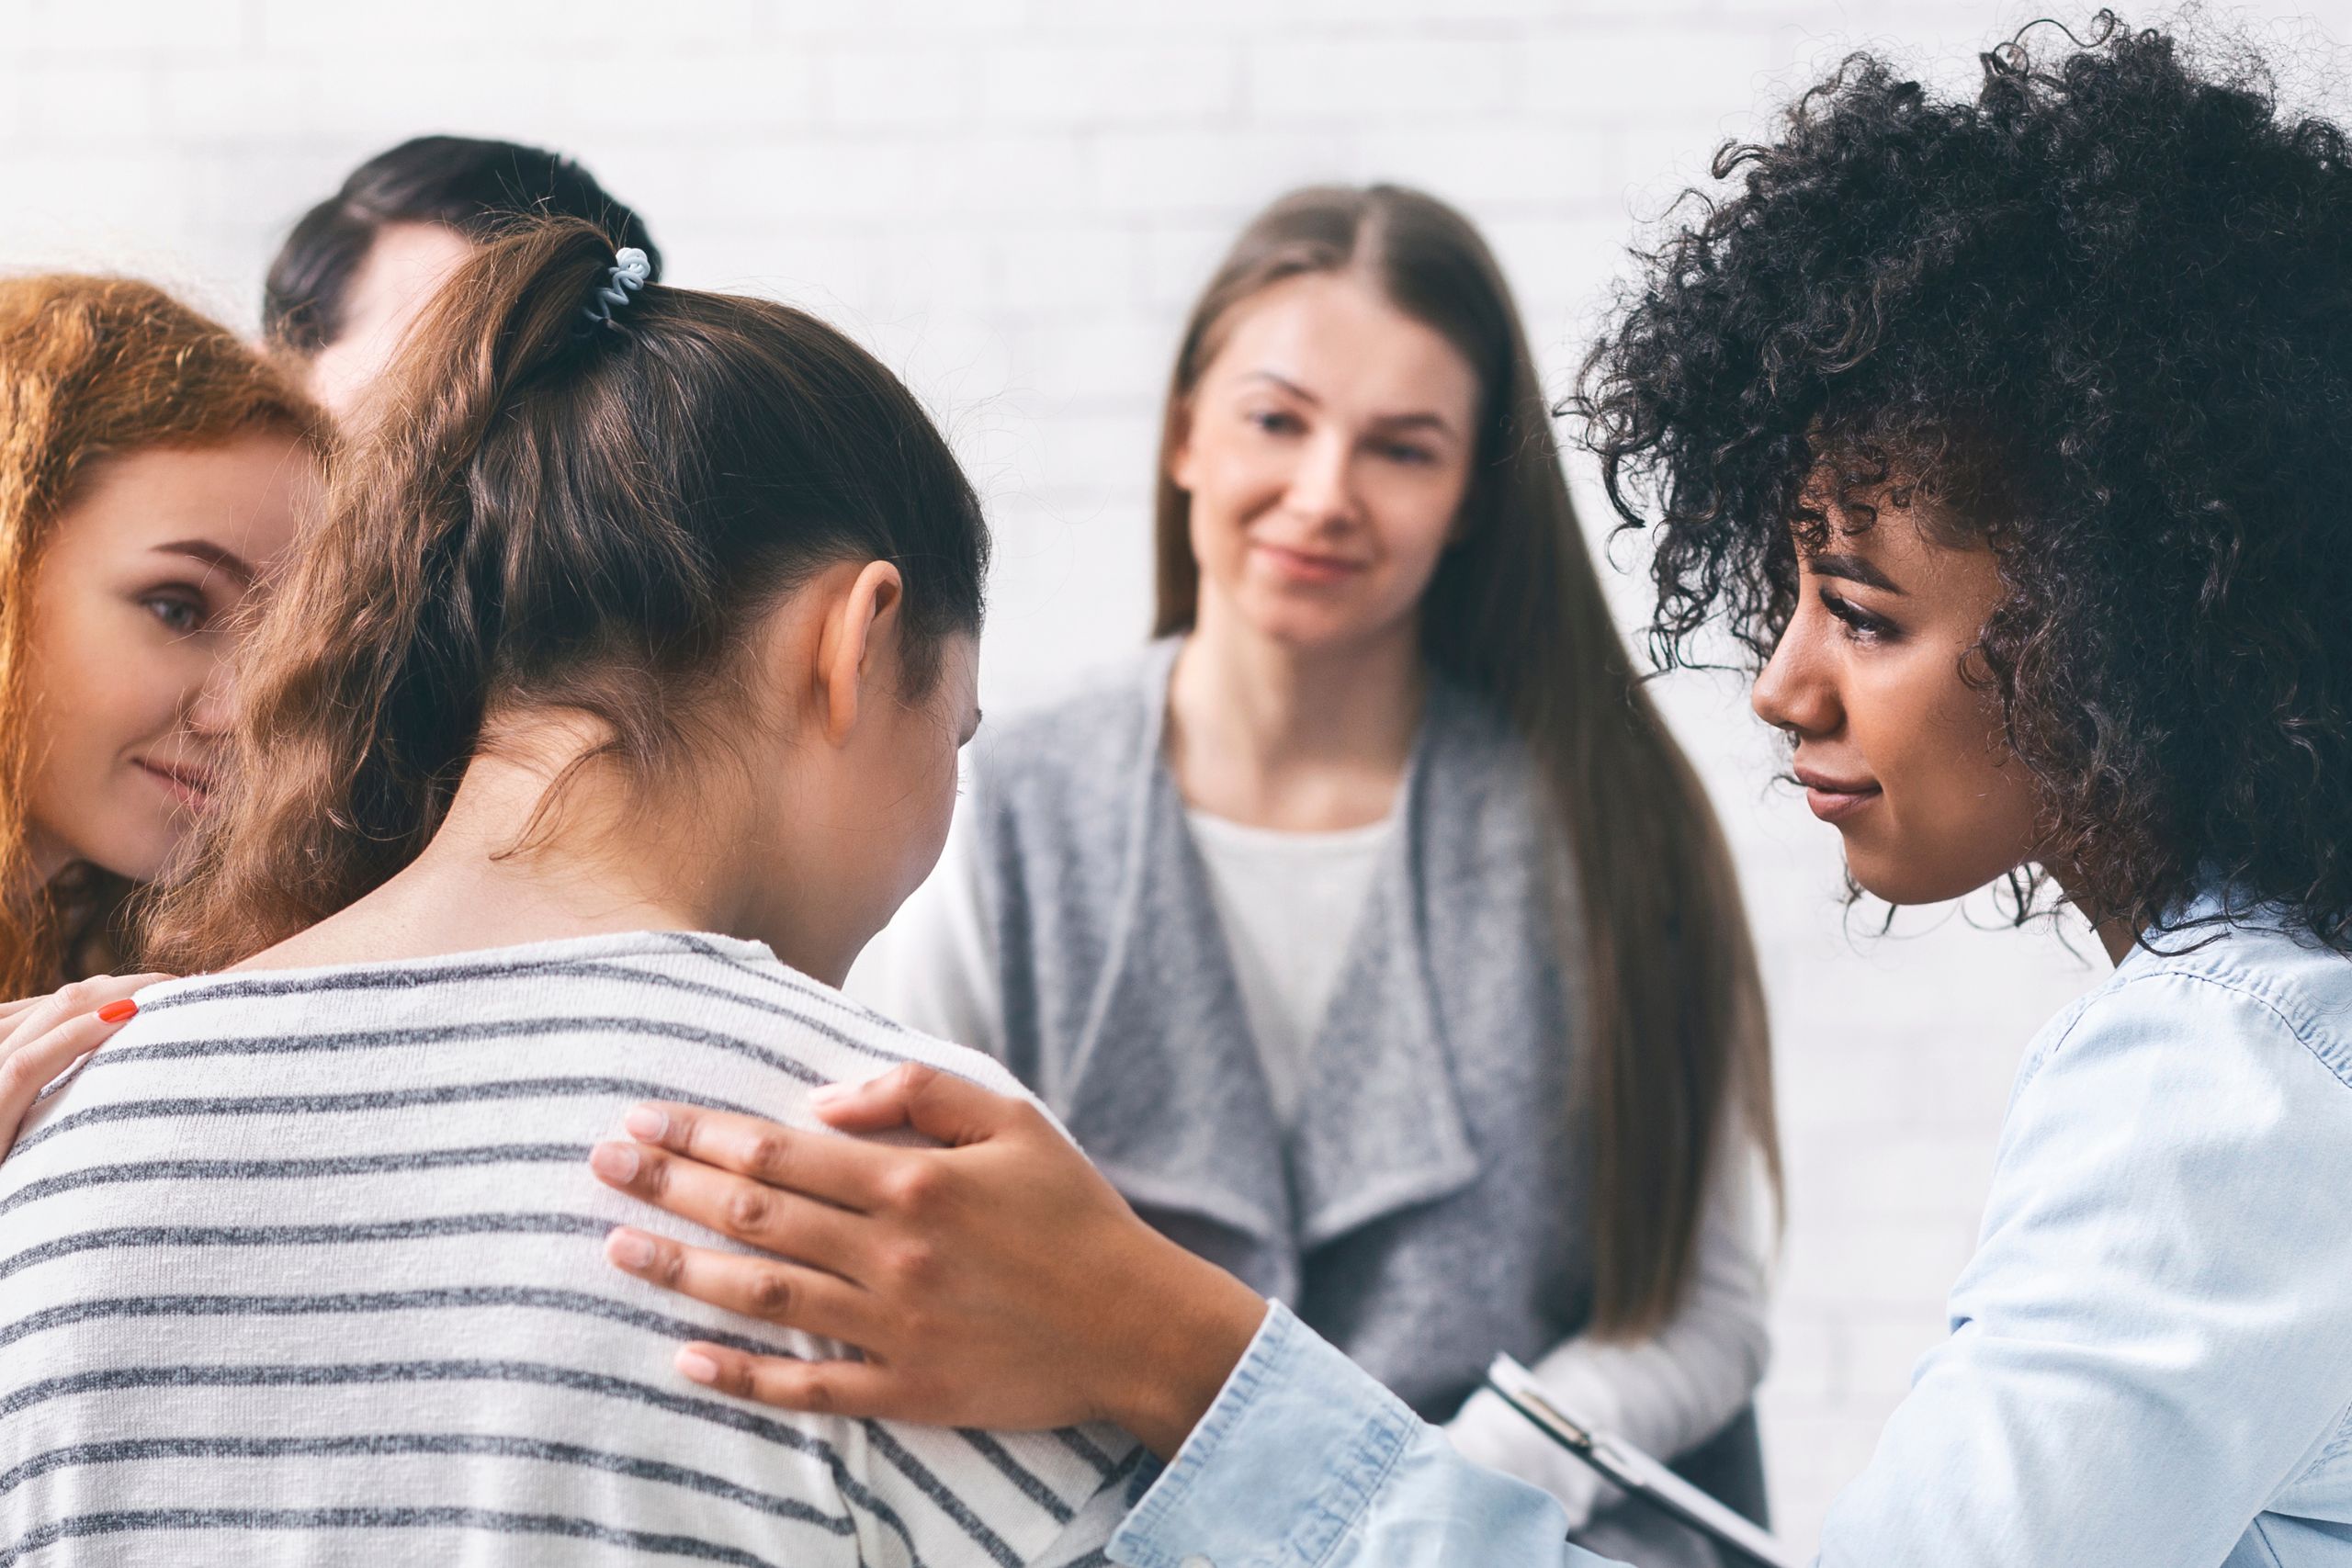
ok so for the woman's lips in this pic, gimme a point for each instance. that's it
(189, 786)
(1835, 800)
(1304, 566)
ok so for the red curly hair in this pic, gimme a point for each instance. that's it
(90, 368)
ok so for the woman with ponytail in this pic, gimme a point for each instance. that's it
(613, 706)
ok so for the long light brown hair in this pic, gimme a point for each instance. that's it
(559, 516)
(1679, 1047)
(91, 368)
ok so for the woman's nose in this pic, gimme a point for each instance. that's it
(1796, 690)
(209, 714)
(1322, 488)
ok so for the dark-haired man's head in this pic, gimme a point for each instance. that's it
(352, 275)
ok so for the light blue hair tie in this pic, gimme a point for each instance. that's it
(626, 278)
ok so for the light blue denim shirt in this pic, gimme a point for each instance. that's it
(2150, 1362)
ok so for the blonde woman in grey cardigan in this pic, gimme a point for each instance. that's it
(1369, 931)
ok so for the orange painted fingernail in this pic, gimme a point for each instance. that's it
(115, 1012)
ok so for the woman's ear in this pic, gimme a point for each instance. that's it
(857, 650)
(1180, 444)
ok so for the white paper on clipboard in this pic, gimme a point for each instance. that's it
(1636, 1471)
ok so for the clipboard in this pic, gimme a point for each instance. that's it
(1637, 1473)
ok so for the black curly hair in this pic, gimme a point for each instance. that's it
(2099, 318)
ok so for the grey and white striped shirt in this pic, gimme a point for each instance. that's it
(307, 1267)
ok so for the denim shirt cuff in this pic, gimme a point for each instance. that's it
(1285, 1462)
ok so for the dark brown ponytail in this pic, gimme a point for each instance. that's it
(556, 513)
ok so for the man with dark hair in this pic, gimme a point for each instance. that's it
(358, 266)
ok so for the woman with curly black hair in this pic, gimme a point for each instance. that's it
(2091, 336)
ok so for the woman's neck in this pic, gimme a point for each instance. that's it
(25, 891)
(2116, 936)
(1305, 739)
(512, 863)
(45, 859)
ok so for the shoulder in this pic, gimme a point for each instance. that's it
(1074, 752)
(1463, 720)
(1482, 816)
(2230, 1058)
(2257, 993)
(2175, 1143)
(1109, 704)
(838, 1037)
(1479, 772)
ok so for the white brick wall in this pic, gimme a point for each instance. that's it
(1012, 200)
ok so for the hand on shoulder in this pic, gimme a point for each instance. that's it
(996, 1282)
(40, 1037)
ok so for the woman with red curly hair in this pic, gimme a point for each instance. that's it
(152, 469)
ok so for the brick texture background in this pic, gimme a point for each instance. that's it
(1012, 200)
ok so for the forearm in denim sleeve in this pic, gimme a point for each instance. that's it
(1307, 1462)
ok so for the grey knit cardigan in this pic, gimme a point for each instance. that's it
(1426, 1209)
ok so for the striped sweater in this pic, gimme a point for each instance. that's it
(307, 1267)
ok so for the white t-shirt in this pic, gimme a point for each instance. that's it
(1290, 904)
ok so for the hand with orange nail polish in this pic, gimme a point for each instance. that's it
(40, 1037)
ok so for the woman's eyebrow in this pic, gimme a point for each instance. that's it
(211, 555)
(1286, 383)
(1851, 568)
(1416, 421)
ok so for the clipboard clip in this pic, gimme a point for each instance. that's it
(1637, 1473)
(1562, 1428)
